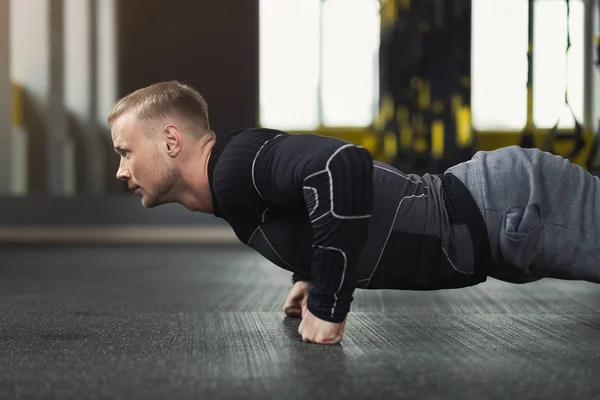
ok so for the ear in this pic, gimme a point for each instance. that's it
(172, 140)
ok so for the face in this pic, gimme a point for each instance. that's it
(144, 165)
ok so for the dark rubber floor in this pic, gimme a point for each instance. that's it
(206, 323)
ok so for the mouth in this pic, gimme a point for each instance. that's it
(136, 189)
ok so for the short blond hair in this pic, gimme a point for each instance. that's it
(164, 99)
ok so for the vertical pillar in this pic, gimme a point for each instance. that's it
(96, 164)
(590, 75)
(105, 85)
(59, 164)
(5, 99)
(80, 38)
(106, 57)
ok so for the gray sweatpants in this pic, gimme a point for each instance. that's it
(542, 213)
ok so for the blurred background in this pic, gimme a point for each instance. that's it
(422, 84)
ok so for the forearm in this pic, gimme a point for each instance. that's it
(340, 208)
(334, 269)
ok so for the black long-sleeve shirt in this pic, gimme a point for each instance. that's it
(323, 209)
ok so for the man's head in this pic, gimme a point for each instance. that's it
(158, 131)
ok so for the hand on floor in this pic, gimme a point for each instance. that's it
(295, 304)
(316, 330)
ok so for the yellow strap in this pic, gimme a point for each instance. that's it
(464, 133)
(388, 12)
(437, 138)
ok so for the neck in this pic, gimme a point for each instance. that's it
(197, 195)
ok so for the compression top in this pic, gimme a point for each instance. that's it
(325, 210)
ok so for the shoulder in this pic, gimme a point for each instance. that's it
(233, 178)
(239, 154)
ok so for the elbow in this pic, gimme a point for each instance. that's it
(352, 180)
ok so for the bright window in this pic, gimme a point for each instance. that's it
(304, 85)
(499, 64)
(551, 70)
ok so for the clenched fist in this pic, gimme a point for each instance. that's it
(311, 329)
(316, 330)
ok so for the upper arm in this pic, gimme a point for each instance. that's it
(287, 170)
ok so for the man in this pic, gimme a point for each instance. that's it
(338, 220)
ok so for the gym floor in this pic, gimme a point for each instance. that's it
(206, 323)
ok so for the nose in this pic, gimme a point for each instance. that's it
(123, 174)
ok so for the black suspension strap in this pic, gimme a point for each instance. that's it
(591, 163)
(577, 135)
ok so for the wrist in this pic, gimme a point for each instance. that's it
(329, 314)
(300, 278)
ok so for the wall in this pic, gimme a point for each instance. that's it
(212, 45)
